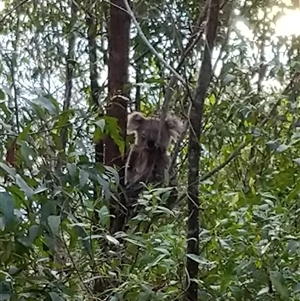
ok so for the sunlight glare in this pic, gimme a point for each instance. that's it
(2, 5)
(287, 24)
(244, 30)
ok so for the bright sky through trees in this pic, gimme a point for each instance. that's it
(285, 26)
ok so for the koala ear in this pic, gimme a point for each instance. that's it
(135, 119)
(175, 126)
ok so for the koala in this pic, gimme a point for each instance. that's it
(148, 158)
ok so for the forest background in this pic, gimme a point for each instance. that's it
(69, 74)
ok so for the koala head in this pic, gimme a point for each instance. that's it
(147, 130)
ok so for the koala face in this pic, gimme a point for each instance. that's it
(147, 134)
(147, 131)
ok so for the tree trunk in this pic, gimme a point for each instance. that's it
(94, 75)
(194, 148)
(118, 63)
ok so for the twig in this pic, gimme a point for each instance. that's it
(227, 161)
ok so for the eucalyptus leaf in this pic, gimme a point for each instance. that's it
(279, 284)
(24, 186)
(6, 206)
(54, 223)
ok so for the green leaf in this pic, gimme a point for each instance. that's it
(281, 148)
(5, 290)
(228, 78)
(112, 240)
(72, 169)
(279, 285)
(24, 186)
(165, 197)
(7, 206)
(5, 109)
(2, 94)
(2, 223)
(27, 153)
(104, 216)
(146, 296)
(11, 171)
(63, 119)
(263, 291)
(54, 223)
(45, 103)
(157, 260)
(161, 209)
(113, 172)
(55, 296)
(112, 128)
(265, 248)
(101, 124)
(29, 239)
(97, 135)
(85, 239)
(162, 250)
(200, 260)
(160, 191)
(23, 136)
(83, 178)
(297, 288)
(40, 189)
(272, 144)
(135, 242)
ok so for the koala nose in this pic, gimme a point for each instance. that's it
(151, 144)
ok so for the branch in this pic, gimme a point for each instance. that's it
(69, 82)
(227, 161)
(236, 152)
(143, 37)
(193, 40)
(12, 10)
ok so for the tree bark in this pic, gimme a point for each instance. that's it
(118, 63)
(69, 80)
(194, 148)
(94, 75)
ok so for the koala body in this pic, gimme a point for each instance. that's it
(148, 158)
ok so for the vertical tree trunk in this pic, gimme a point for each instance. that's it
(69, 72)
(118, 63)
(59, 252)
(194, 148)
(94, 76)
(92, 25)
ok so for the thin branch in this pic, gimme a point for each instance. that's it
(194, 38)
(236, 152)
(69, 78)
(198, 30)
(12, 10)
(14, 69)
(143, 37)
(227, 161)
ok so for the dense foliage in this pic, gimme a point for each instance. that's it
(54, 233)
